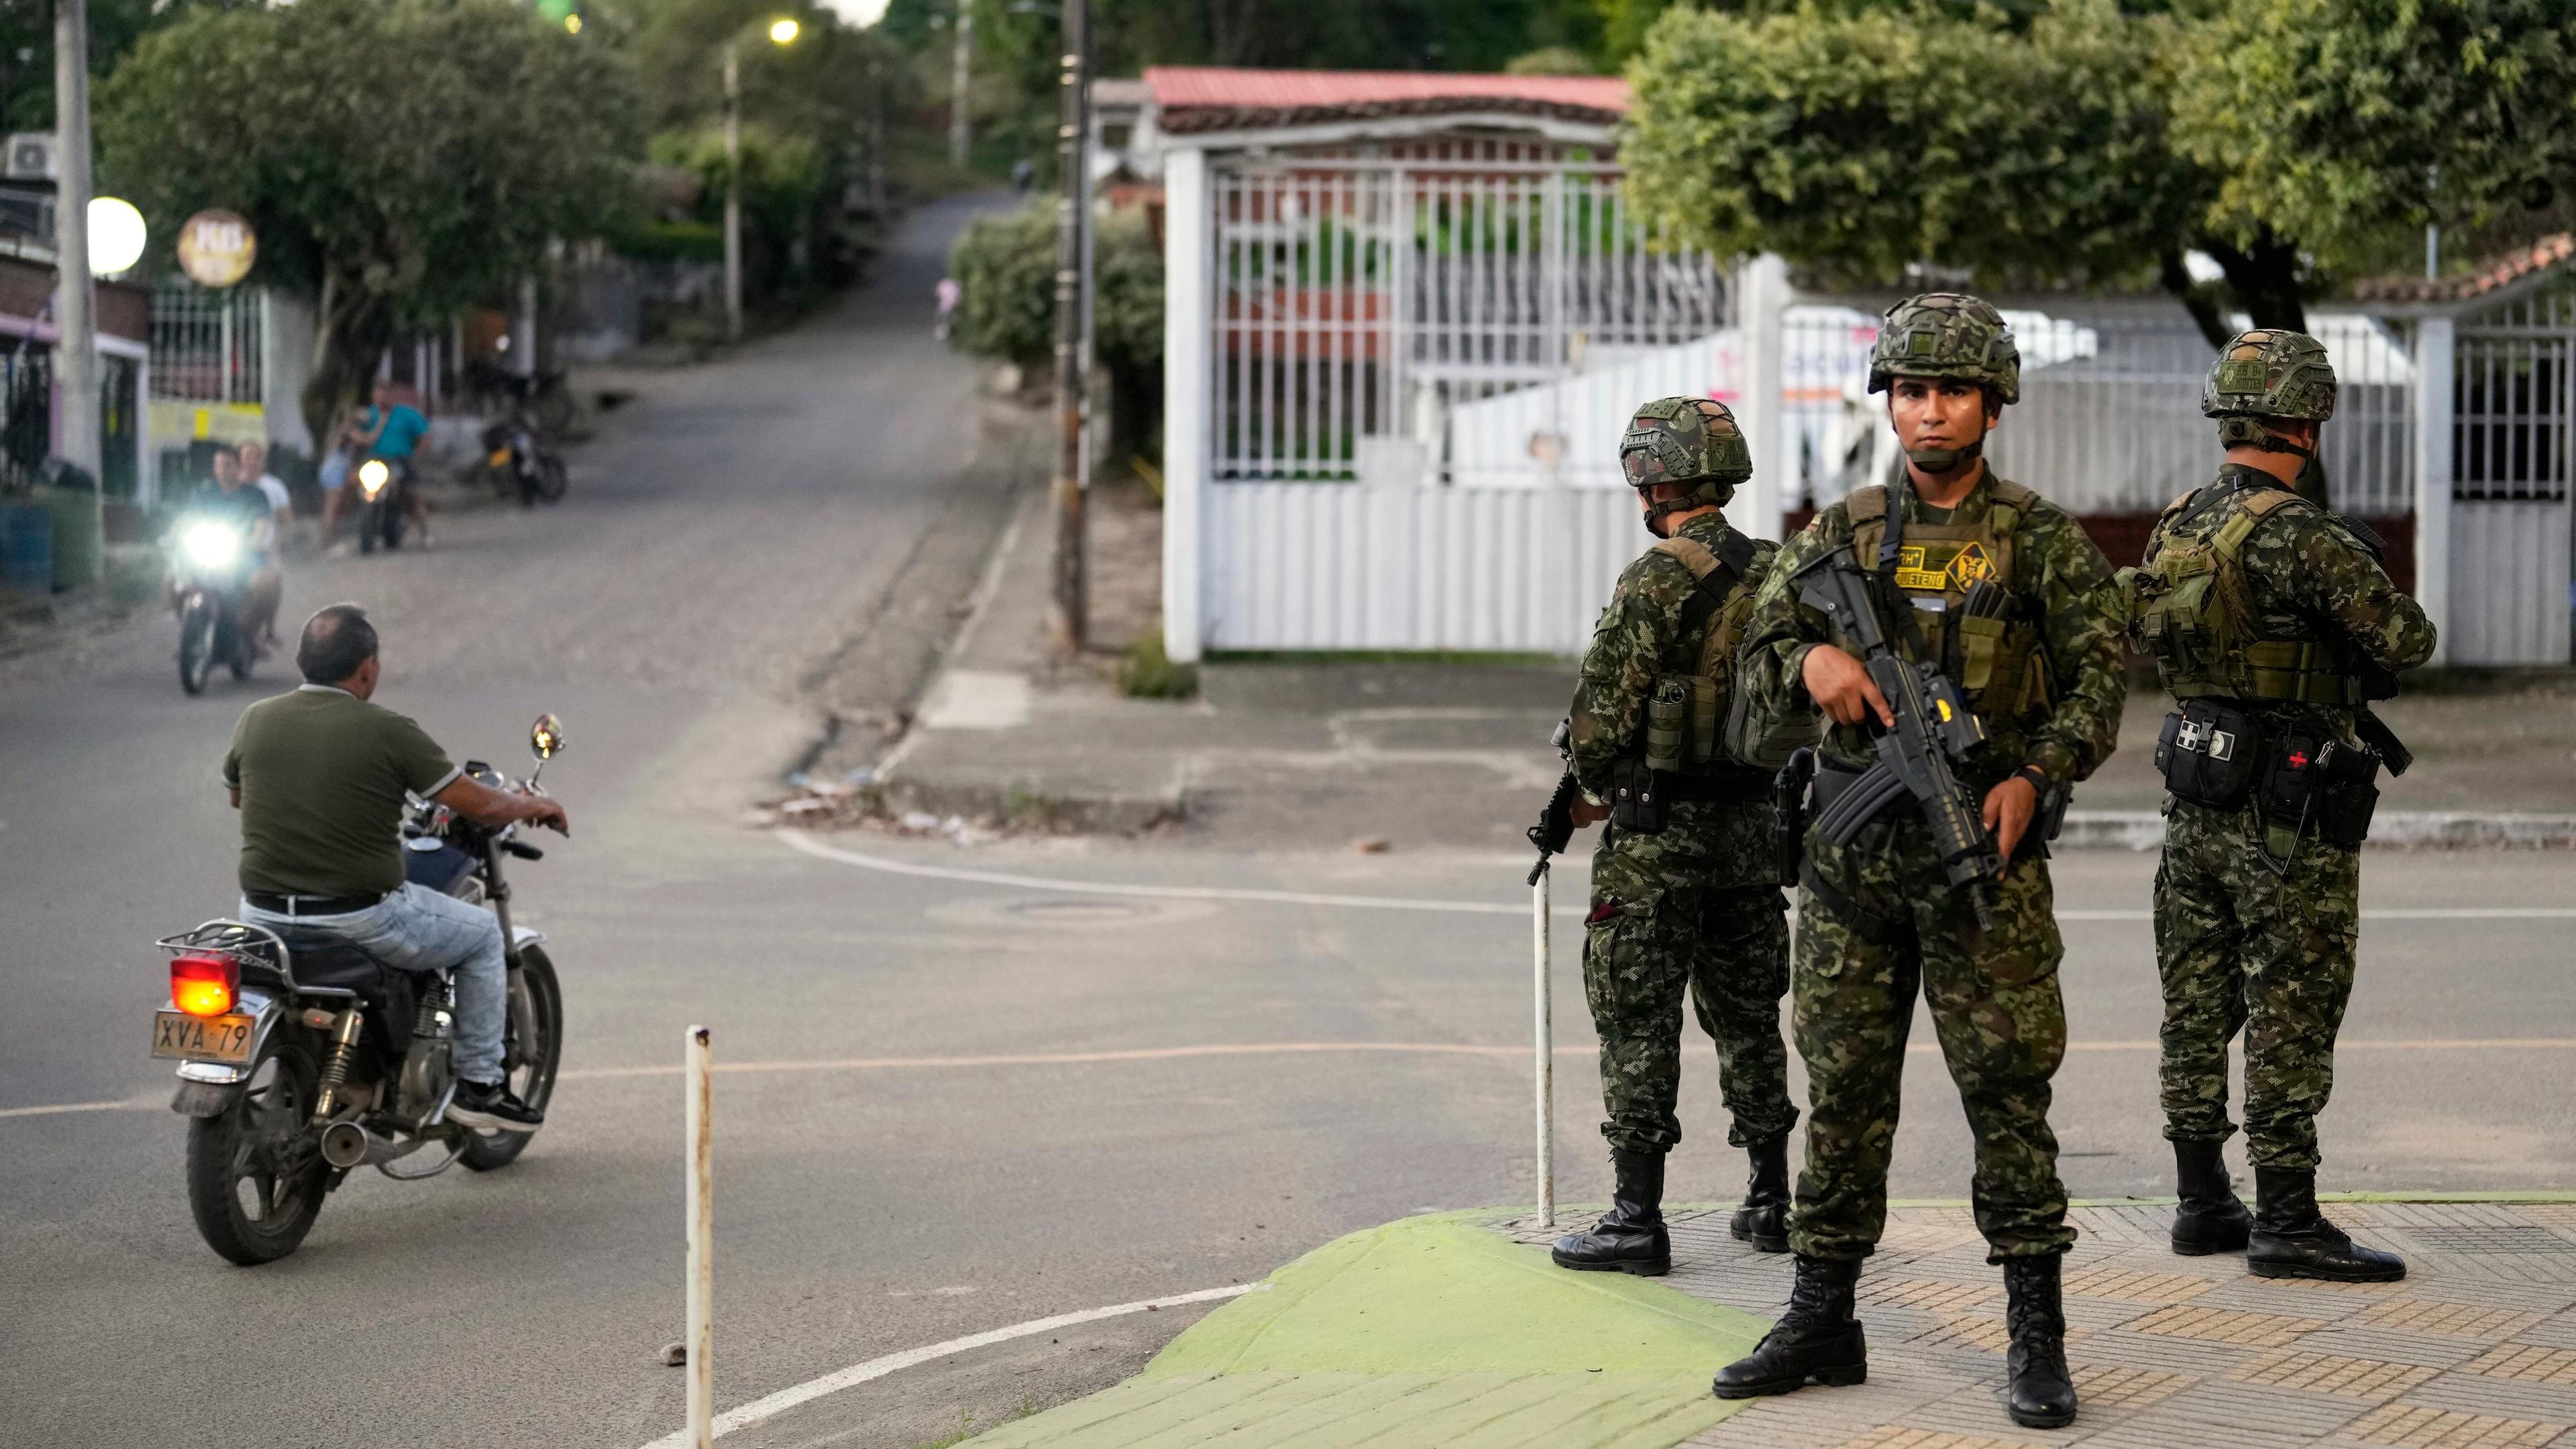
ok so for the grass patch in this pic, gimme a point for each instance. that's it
(1146, 672)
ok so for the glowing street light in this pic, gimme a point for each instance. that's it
(116, 235)
(782, 32)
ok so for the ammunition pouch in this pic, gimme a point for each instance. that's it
(1642, 797)
(1765, 739)
(2315, 780)
(2209, 753)
(1682, 722)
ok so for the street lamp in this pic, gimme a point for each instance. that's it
(781, 32)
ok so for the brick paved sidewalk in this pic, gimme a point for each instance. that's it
(2476, 1349)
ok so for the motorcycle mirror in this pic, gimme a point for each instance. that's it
(546, 737)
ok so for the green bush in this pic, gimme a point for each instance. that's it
(1006, 267)
(1148, 673)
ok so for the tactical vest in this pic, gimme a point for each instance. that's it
(2193, 612)
(1997, 659)
(1686, 712)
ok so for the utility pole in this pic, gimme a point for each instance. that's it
(958, 81)
(733, 193)
(1070, 613)
(76, 378)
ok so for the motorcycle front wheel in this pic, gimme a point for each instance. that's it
(551, 479)
(371, 526)
(236, 646)
(196, 643)
(255, 1174)
(530, 1053)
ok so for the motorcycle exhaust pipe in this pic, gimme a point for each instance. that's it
(346, 1145)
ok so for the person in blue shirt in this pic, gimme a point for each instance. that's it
(391, 430)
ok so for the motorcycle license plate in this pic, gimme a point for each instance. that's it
(202, 1038)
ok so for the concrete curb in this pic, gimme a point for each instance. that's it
(2392, 829)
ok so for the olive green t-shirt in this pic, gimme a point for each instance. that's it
(322, 774)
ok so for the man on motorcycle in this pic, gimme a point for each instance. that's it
(231, 499)
(391, 430)
(320, 776)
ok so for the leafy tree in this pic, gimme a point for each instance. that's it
(398, 158)
(2283, 138)
(1005, 266)
(2346, 122)
(1863, 142)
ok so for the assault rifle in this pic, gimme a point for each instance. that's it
(1555, 828)
(1921, 754)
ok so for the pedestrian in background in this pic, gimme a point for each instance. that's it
(949, 294)
(2037, 658)
(2274, 625)
(1685, 891)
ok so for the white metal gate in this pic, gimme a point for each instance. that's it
(1369, 484)
(2513, 399)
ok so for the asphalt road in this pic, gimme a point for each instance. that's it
(948, 1105)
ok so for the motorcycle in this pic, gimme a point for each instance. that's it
(210, 570)
(516, 459)
(302, 1058)
(383, 485)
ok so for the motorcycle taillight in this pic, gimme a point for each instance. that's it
(204, 984)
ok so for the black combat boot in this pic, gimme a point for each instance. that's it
(2291, 1239)
(1630, 1238)
(2211, 1219)
(2039, 1393)
(1763, 1221)
(1816, 1341)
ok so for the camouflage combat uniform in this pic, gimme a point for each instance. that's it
(2239, 946)
(1695, 907)
(2051, 700)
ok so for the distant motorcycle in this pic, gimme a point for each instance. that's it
(383, 485)
(302, 1058)
(521, 464)
(210, 568)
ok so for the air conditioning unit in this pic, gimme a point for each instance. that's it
(31, 157)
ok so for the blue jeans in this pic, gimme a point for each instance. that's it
(420, 930)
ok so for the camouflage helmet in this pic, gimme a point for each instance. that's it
(2270, 373)
(1683, 440)
(1949, 335)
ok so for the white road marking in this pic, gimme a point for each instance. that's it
(47, 1111)
(762, 1409)
(806, 843)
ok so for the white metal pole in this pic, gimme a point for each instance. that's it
(1539, 943)
(1187, 321)
(2434, 339)
(702, 1228)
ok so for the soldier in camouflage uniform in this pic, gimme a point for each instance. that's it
(1878, 919)
(1684, 895)
(2272, 623)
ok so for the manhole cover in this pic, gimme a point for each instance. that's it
(2490, 1238)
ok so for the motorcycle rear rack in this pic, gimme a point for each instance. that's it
(252, 945)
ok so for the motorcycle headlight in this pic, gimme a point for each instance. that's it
(210, 544)
(373, 475)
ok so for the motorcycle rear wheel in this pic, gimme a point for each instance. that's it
(196, 644)
(237, 647)
(256, 1177)
(531, 1052)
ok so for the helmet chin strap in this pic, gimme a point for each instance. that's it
(1944, 460)
(2250, 433)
